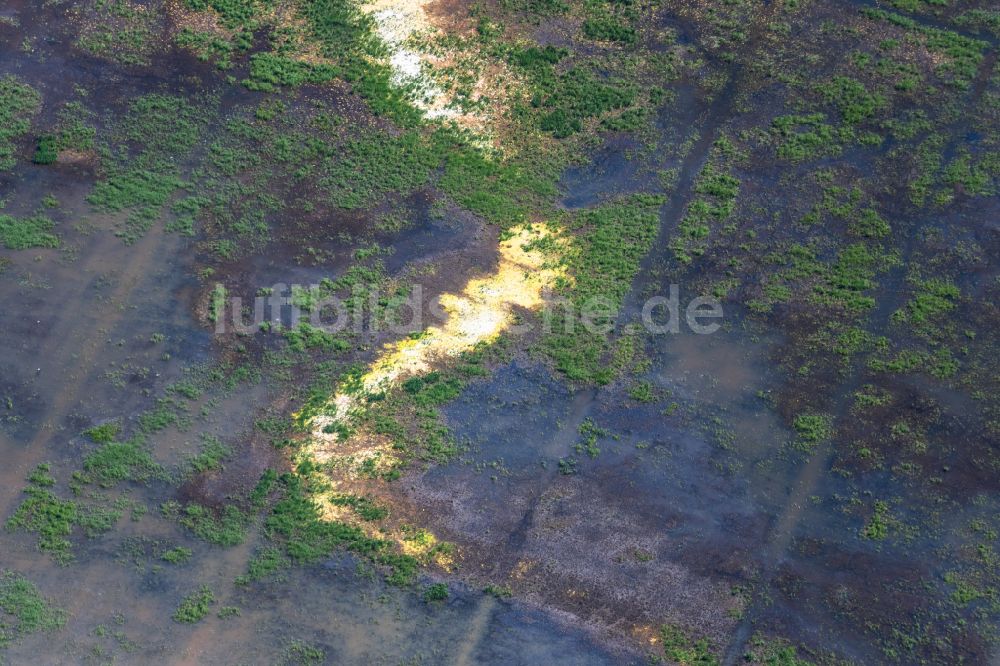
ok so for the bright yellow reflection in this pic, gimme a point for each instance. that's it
(479, 313)
(483, 310)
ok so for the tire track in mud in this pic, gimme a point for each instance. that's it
(926, 21)
(561, 441)
(509, 558)
(71, 349)
(76, 361)
(479, 626)
(719, 111)
(74, 343)
(193, 648)
(805, 483)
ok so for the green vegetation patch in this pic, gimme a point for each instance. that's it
(74, 130)
(811, 430)
(974, 177)
(207, 46)
(932, 298)
(303, 654)
(375, 163)
(806, 137)
(941, 363)
(679, 647)
(51, 518)
(608, 244)
(194, 607)
(608, 29)
(115, 462)
(877, 527)
(156, 135)
(577, 96)
(436, 592)
(503, 192)
(23, 610)
(295, 523)
(104, 433)
(851, 98)
(19, 102)
(225, 527)
(121, 31)
(54, 519)
(266, 562)
(366, 507)
(47, 149)
(869, 224)
(346, 37)
(962, 55)
(716, 200)
(850, 276)
(980, 19)
(213, 452)
(432, 389)
(773, 652)
(27, 232)
(177, 555)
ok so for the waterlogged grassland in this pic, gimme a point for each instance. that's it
(831, 190)
(846, 270)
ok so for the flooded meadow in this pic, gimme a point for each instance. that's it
(508, 455)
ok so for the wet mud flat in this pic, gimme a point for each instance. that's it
(728, 493)
(785, 535)
(574, 498)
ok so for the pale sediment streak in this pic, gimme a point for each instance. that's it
(484, 309)
(396, 22)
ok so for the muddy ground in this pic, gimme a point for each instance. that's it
(687, 494)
